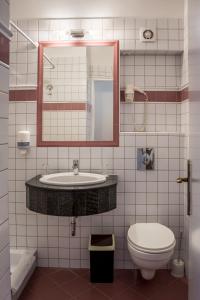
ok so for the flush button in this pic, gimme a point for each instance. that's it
(145, 159)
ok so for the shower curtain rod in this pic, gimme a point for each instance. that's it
(35, 44)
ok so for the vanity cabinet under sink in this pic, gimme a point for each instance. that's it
(71, 200)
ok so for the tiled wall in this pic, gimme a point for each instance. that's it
(185, 66)
(185, 117)
(160, 117)
(68, 78)
(65, 125)
(100, 71)
(4, 228)
(24, 68)
(142, 196)
(154, 72)
(151, 72)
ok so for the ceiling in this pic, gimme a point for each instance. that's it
(26, 9)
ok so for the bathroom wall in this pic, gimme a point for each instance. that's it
(169, 40)
(159, 72)
(152, 73)
(68, 71)
(142, 196)
(65, 125)
(160, 117)
(185, 79)
(4, 228)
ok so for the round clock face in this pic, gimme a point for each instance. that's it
(148, 34)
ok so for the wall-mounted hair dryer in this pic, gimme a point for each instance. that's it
(130, 98)
(130, 93)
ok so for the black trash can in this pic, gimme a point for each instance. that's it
(102, 247)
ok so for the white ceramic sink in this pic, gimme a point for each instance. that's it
(69, 179)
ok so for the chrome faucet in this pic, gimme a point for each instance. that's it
(75, 166)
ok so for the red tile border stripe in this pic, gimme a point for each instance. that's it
(184, 94)
(153, 96)
(4, 49)
(160, 96)
(64, 106)
(23, 95)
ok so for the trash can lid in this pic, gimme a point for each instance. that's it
(101, 242)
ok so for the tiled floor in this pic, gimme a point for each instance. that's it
(65, 284)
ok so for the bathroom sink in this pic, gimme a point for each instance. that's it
(69, 179)
(71, 198)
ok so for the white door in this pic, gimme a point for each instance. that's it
(194, 148)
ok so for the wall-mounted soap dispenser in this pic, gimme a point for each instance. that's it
(23, 141)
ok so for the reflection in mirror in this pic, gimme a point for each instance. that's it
(78, 94)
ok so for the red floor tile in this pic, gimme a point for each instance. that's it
(63, 276)
(47, 292)
(51, 292)
(130, 294)
(74, 284)
(28, 295)
(77, 286)
(127, 276)
(46, 271)
(148, 288)
(163, 277)
(82, 273)
(178, 290)
(92, 294)
(112, 289)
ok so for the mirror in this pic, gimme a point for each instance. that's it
(78, 94)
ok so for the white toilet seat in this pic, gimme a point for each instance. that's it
(147, 256)
(151, 238)
(151, 251)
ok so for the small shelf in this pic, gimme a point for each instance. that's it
(23, 87)
(130, 52)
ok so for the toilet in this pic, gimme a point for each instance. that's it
(151, 246)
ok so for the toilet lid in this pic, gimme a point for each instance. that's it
(150, 236)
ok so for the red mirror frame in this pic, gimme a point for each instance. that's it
(40, 104)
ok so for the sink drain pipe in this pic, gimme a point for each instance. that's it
(73, 225)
